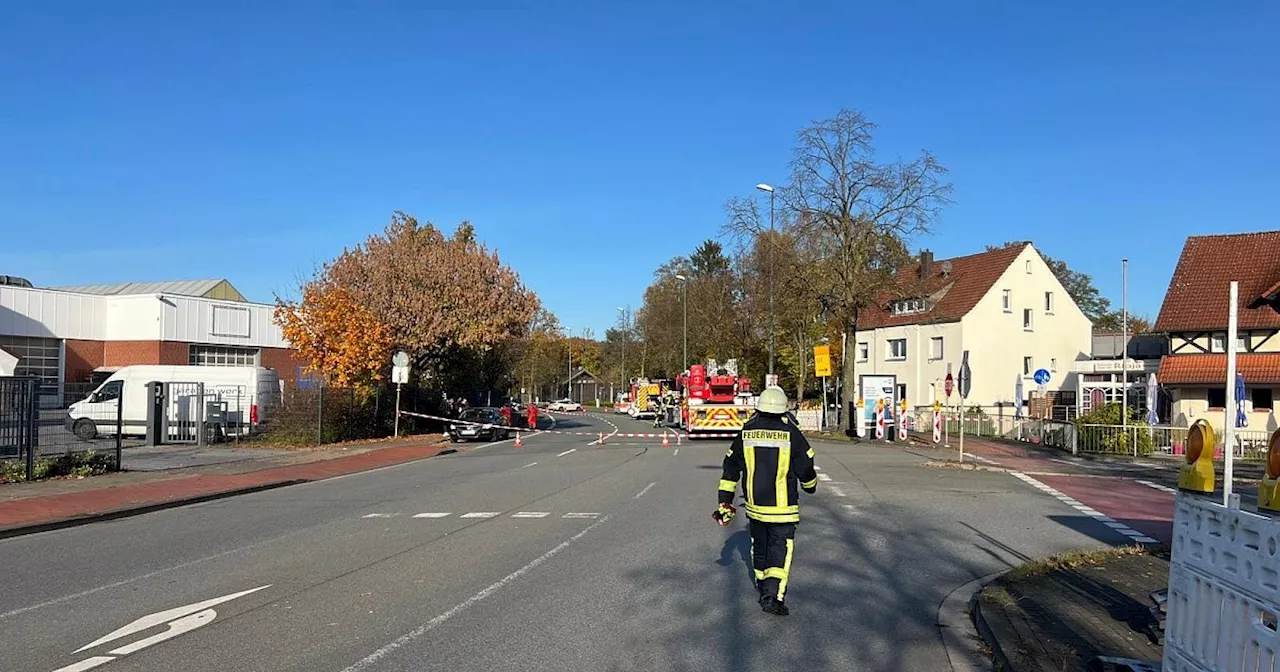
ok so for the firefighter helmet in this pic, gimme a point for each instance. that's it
(772, 401)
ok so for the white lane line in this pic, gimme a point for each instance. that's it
(646, 489)
(482, 514)
(531, 514)
(431, 515)
(982, 459)
(581, 515)
(848, 508)
(566, 452)
(676, 452)
(528, 465)
(380, 515)
(823, 477)
(86, 664)
(1157, 486)
(817, 468)
(837, 491)
(369, 660)
(1088, 511)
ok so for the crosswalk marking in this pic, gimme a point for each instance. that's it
(482, 514)
(581, 515)
(380, 515)
(430, 515)
(823, 477)
(531, 514)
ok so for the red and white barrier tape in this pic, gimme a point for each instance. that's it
(615, 434)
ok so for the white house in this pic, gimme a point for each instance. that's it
(1005, 307)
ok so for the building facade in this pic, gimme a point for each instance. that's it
(1194, 317)
(75, 336)
(1116, 364)
(1005, 307)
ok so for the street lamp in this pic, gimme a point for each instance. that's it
(1124, 346)
(684, 284)
(769, 188)
(626, 336)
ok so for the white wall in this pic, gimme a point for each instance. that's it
(141, 317)
(199, 320)
(48, 314)
(998, 342)
(922, 374)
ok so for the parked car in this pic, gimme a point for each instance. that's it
(564, 406)
(479, 423)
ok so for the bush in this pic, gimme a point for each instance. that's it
(79, 465)
(1100, 432)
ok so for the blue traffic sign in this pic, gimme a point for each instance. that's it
(1042, 377)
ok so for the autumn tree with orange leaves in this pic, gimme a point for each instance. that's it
(446, 300)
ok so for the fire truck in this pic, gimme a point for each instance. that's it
(716, 399)
(644, 397)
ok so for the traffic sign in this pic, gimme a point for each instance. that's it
(966, 379)
(1042, 376)
(949, 385)
(822, 361)
(401, 359)
(400, 375)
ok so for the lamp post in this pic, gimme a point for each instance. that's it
(626, 335)
(769, 188)
(1124, 348)
(684, 284)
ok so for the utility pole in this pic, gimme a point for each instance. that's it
(684, 286)
(1124, 349)
(772, 322)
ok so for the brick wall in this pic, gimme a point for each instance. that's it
(283, 360)
(124, 353)
(82, 358)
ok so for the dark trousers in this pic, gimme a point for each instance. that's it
(771, 548)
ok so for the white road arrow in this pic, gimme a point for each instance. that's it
(175, 629)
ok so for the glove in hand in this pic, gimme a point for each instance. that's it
(724, 514)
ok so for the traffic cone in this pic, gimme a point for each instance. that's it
(518, 443)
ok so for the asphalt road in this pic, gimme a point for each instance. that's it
(573, 557)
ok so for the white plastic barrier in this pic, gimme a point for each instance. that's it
(809, 420)
(1224, 590)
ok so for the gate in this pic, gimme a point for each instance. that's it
(19, 418)
(183, 412)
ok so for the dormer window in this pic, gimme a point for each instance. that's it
(908, 306)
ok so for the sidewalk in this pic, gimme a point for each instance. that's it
(31, 507)
(1057, 619)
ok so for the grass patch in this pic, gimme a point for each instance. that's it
(952, 464)
(999, 596)
(71, 465)
(285, 441)
(1076, 559)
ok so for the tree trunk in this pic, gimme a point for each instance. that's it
(850, 386)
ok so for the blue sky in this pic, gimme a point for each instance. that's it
(589, 142)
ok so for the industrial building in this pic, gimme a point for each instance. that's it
(70, 337)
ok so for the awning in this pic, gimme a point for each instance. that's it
(1211, 369)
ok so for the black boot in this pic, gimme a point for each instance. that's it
(774, 606)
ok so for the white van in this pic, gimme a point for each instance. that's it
(247, 394)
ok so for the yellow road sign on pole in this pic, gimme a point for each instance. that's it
(822, 360)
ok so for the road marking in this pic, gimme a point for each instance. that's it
(430, 625)
(676, 452)
(566, 452)
(837, 491)
(152, 620)
(1088, 511)
(982, 459)
(380, 515)
(823, 477)
(86, 664)
(1157, 486)
(531, 514)
(481, 514)
(646, 489)
(581, 515)
(431, 515)
(817, 468)
(528, 465)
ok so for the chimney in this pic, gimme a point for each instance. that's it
(926, 263)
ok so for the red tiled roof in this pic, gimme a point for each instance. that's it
(1200, 289)
(970, 279)
(1211, 369)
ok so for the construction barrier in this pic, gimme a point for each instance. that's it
(1224, 574)
(614, 434)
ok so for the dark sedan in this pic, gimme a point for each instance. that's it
(479, 423)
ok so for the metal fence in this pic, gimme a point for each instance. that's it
(1146, 440)
(36, 442)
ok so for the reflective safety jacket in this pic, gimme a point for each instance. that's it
(773, 460)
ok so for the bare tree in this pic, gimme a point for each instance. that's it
(859, 213)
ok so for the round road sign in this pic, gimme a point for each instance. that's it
(401, 359)
(1042, 376)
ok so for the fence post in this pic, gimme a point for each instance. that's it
(33, 436)
(120, 432)
(320, 418)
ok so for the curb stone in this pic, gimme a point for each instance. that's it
(957, 618)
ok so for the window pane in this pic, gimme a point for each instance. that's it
(1262, 398)
(1026, 366)
(1217, 397)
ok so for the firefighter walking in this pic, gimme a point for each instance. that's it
(773, 460)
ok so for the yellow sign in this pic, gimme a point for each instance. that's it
(937, 406)
(822, 360)
(861, 402)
